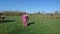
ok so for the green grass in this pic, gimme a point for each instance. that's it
(41, 26)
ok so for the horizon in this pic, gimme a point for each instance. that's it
(30, 6)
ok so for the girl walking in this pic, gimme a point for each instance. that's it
(25, 19)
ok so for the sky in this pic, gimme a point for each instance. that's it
(30, 6)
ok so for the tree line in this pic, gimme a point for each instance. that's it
(18, 13)
(11, 13)
(43, 12)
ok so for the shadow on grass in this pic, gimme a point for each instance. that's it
(3, 21)
(30, 23)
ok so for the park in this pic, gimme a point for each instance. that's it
(29, 16)
(37, 24)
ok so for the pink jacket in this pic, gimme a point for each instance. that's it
(24, 18)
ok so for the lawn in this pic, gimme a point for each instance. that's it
(37, 25)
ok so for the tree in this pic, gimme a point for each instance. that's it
(38, 12)
(43, 12)
(56, 12)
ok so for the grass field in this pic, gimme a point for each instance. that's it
(13, 25)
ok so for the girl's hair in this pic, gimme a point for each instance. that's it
(23, 13)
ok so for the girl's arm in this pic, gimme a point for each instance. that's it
(27, 17)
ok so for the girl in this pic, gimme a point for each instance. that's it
(25, 19)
